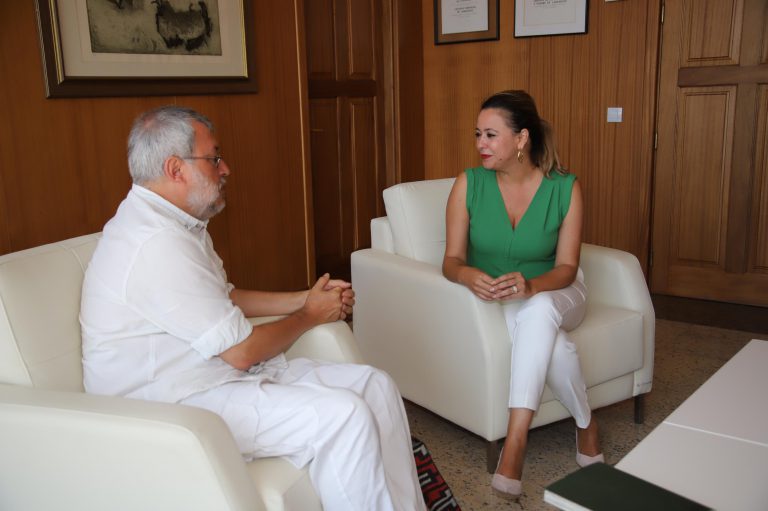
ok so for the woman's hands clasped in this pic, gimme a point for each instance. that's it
(504, 287)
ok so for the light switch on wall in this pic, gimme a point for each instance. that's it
(614, 114)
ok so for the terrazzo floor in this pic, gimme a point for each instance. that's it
(686, 355)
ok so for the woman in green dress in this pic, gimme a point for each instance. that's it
(513, 230)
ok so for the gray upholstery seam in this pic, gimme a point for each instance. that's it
(15, 344)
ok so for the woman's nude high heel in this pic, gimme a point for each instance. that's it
(504, 486)
(583, 460)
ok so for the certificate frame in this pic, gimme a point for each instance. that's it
(62, 32)
(551, 17)
(466, 30)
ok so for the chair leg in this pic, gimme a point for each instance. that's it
(640, 409)
(493, 451)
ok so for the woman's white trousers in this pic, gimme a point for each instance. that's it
(543, 353)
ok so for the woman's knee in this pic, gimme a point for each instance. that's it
(539, 307)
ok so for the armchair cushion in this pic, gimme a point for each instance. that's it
(416, 231)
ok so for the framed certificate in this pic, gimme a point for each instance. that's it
(550, 17)
(461, 21)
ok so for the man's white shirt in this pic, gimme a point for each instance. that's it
(156, 310)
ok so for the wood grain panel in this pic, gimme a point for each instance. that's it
(574, 79)
(326, 183)
(404, 124)
(362, 39)
(63, 162)
(321, 64)
(710, 139)
(723, 288)
(714, 32)
(764, 22)
(759, 251)
(363, 103)
(365, 168)
(702, 171)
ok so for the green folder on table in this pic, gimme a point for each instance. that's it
(601, 487)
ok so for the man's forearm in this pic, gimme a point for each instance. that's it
(265, 303)
(268, 340)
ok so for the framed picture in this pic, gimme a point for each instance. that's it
(94, 48)
(461, 21)
(550, 17)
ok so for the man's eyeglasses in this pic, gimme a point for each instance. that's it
(213, 159)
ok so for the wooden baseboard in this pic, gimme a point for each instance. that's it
(747, 318)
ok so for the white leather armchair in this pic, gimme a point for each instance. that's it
(63, 449)
(449, 351)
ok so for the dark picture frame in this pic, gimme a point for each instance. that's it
(457, 34)
(59, 85)
(535, 18)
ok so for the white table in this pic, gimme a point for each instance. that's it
(714, 447)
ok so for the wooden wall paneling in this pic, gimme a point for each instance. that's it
(321, 63)
(346, 180)
(702, 169)
(362, 61)
(648, 132)
(63, 165)
(577, 155)
(713, 33)
(758, 251)
(302, 106)
(326, 183)
(764, 58)
(707, 172)
(407, 76)
(358, 89)
(669, 63)
(630, 178)
(102, 168)
(269, 227)
(365, 168)
(744, 144)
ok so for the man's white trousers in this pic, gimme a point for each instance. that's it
(347, 421)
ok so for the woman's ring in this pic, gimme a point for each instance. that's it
(514, 288)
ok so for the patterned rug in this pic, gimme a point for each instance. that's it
(437, 494)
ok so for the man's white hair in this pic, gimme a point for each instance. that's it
(157, 135)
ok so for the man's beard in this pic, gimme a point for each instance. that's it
(207, 198)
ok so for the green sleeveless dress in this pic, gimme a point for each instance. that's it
(494, 246)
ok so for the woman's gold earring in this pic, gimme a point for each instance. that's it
(519, 156)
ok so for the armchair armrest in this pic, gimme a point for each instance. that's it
(99, 452)
(397, 301)
(614, 278)
(332, 342)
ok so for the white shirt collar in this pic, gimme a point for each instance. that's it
(188, 221)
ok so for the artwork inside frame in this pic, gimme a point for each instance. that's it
(461, 21)
(550, 17)
(94, 48)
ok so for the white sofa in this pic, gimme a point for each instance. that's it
(449, 351)
(63, 449)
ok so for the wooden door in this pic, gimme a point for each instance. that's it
(710, 228)
(345, 75)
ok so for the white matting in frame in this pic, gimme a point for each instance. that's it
(226, 60)
(550, 17)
